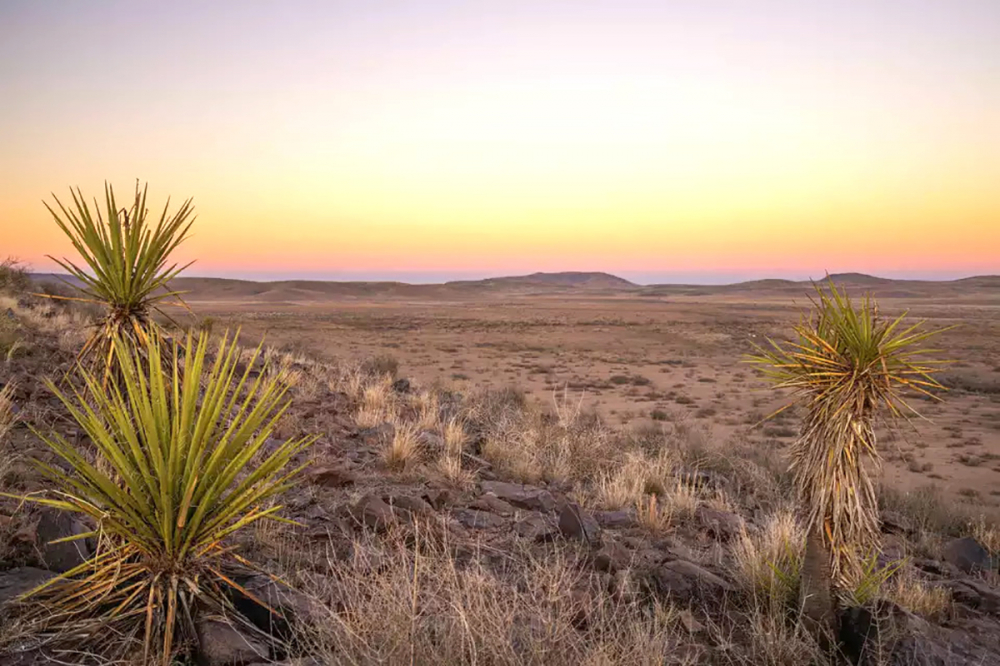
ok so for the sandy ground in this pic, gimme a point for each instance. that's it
(640, 359)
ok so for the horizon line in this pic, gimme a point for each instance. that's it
(736, 278)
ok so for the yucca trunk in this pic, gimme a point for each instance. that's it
(816, 586)
(834, 464)
(834, 461)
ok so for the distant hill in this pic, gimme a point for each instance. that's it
(575, 279)
(581, 284)
(857, 278)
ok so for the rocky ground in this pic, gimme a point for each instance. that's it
(445, 528)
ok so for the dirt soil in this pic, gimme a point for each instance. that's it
(638, 356)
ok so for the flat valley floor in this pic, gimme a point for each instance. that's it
(647, 360)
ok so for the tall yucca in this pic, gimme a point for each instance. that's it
(127, 263)
(849, 368)
(180, 466)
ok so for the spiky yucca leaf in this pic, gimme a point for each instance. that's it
(849, 367)
(127, 264)
(180, 467)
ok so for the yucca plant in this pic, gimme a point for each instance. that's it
(180, 467)
(127, 265)
(849, 367)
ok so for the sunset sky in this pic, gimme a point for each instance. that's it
(663, 141)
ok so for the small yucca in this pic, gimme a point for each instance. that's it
(180, 467)
(127, 260)
(849, 367)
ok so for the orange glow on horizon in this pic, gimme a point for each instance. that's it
(641, 141)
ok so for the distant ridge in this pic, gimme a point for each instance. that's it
(858, 278)
(588, 280)
(570, 283)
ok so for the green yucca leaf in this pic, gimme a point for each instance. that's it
(849, 367)
(126, 265)
(180, 469)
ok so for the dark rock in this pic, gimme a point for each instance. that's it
(478, 520)
(281, 607)
(439, 498)
(522, 496)
(684, 581)
(966, 554)
(430, 440)
(53, 525)
(10, 314)
(689, 621)
(331, 475)
(15, 582)
(372, 512)
(383, 432)
(918, 643)
(612, 557)
(413, 506)
(858, 633)
(315, 513)
(612, 519)
(671, 548)
(536, 528)
(937, 567)
(896, 523)
(575, 523)
(401, 385)
(222, 645)
(491, 502)
(893, 550)
(975, 594)
(721, 525)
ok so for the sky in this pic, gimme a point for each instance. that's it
(698, 141)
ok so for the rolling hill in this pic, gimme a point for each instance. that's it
(584, 284)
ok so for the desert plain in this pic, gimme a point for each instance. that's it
(642, 356)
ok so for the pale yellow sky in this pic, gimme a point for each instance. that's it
(650, 139)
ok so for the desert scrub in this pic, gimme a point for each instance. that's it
(127, 269)
(532, 608)
(14, 278)
(179, 468)
(768, 563)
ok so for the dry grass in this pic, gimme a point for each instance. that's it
(684, 496)
(653, 514)
(767, 563)
(618, 489)
(352, 383)
(531, 609)
(530, 445)
(428, 410)
(773, 640)
(918, 597)
(931, 514)
(377, 402)
(68, 324)
(455, 437)
(404, 449)
(987, 533)
(7, 416)
(7, 420)
(451, 470)
(636, 476)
